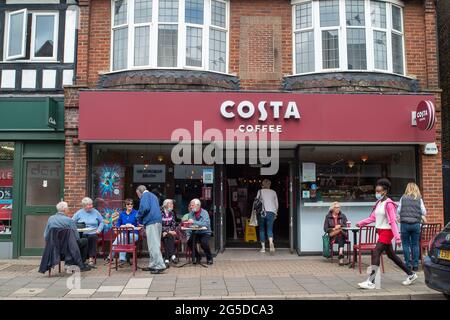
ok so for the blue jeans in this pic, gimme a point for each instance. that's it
(262, 223)
(410, 234)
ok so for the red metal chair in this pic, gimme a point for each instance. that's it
(427, 233)
(123, 236)
(367, 243)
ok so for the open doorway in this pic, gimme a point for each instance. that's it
(242, 185)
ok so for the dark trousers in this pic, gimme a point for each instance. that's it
(340, 240)
(203, 238)
(376, 254)
(92, 244)
(83, 245)
(169, 246)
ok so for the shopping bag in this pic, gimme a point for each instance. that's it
(326, 245)
(253, 219)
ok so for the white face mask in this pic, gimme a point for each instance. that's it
(378, 196)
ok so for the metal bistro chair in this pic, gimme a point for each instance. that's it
(367, 243)
(427, 233)
(123, 236)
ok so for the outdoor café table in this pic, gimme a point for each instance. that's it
(355, 231)
(194, 235)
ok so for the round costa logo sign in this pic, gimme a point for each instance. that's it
(425, 115)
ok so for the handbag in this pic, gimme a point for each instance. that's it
(326, 245)
(253, 219)
(258, 206)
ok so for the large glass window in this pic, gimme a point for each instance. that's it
(40, 43)
(119, 169)
(6, 186)
(364, 35)
(349, 173)
(177, 34)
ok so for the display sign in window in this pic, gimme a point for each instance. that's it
(6, 186)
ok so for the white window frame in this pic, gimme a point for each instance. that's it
(24, 35)
(342, 33)
(55, 35)
(402, 34)
(182, 33)
(296, 31)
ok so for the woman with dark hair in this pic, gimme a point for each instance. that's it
(384, 216)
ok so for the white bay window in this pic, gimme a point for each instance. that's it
(348, 35)
(190, 34)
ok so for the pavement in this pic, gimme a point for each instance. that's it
(236, 274)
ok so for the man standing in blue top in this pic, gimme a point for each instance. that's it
(150, 216)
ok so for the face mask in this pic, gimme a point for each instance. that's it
(378, 196)
(169, 209)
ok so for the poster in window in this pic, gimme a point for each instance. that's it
(308, 172)
(110, 184)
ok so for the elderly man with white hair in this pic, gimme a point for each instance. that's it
(94, 220)
(200, 217)
(150, 216)
(60, 220)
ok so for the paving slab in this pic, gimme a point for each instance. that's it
(139, 283)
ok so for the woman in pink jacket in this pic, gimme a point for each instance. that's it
(384, 216)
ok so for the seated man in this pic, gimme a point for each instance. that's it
(200, 217)
(60, 220)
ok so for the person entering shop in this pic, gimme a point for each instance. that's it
(269, 213)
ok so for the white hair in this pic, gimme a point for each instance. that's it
(61, 206)
(141, 189)
(86, 201)
(166, 202)
(333, 205)
(197, 202)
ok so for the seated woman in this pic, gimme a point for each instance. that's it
(127, 218)
(94, 220)
(334, 221)
(169, 233)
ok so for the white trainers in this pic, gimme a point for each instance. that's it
(272, 248)
(410, 279)
(262, 250)
(366, 285)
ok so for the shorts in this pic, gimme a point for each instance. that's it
(385, 236)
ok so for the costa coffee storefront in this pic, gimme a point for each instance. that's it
(218, 146)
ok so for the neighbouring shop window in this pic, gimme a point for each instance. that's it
(6, 186)
(31, 35)
(349, 173)
(179, 34)
(117, 170)
(363, 35)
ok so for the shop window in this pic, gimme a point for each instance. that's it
(190, 34)
(341, 35)
(349, 173)
(31, 35)
(6, 186)
(119, 169)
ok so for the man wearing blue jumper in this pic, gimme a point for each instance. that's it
(150, 216)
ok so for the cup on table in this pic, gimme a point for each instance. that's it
(349, 224)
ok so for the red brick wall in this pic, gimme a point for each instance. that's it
(260, 54)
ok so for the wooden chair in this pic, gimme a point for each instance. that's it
(366, 243)
(427, 233)
(123, 236)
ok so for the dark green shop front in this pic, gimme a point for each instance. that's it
(31, 170)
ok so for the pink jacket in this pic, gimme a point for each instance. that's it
(391, 212)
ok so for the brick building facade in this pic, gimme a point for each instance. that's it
(444, 55)
(263, 55)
